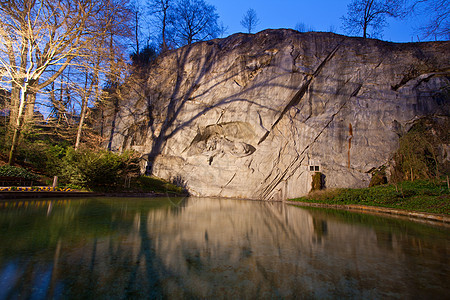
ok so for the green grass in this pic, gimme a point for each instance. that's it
(424, 196)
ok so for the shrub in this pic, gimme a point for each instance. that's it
(317, 182)
(97, 169)
(418, 156)
(43, 156)
(12, 171)
(154, 184)
(378, 177)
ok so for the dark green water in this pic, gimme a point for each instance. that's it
(128, 248)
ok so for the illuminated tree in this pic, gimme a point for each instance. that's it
(38, 41)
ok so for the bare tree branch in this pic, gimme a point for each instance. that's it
(437, 16)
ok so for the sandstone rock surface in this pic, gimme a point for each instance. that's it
(249, 116)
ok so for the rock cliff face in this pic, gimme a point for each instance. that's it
(251, 116)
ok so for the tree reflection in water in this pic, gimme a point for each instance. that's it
(197, 248)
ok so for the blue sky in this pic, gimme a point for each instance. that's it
(319, 14)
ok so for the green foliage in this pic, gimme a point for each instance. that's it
(378, 177)
(421, 195)
(153, 184)
(85, 168)
(316, 183)
(4, 143)
(38, 149)
(418, 153)
(12, 171)
(43, 156)
(97, 170)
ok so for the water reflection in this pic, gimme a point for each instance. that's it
(213, 248)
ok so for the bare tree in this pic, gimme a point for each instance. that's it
(160, 9)
(109, 56)
(250, 20)
(38, 41)
(368, 17)
(437, 13)
(301, 27)
(59, 103)
(86, 91)
(223, 30)
(137, 11)
(193, 21)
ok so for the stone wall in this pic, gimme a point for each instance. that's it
(248, 115)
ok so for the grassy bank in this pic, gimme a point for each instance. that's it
(154, 184)
(422, 196)
(141, 184)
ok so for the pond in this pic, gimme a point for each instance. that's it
(116, 248)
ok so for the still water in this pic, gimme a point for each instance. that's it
(104, 248)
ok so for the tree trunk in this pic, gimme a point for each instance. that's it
(29, 112)
(14, 108)
(136, 28)
(80, 124)
(164, 45)
(113, 124)
(83, 113)
(18, 127)
(102, 123)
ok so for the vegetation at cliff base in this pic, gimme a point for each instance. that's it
(154, 184)
(98, 170)
(432, 196)
(89, 168)
(13, 171)
(418, 174)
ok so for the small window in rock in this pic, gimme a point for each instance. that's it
(314, 168)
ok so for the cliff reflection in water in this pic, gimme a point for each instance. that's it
(183, 248)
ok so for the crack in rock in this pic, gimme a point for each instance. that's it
(301, 92)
